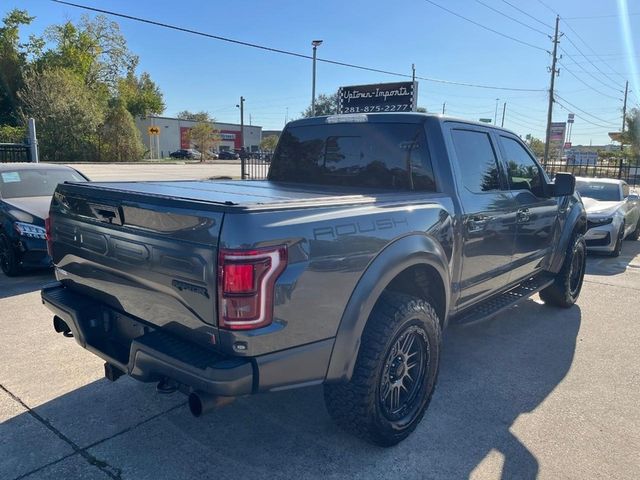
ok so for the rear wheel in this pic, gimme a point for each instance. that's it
(395, 373)
(565, 289)
(9, 262)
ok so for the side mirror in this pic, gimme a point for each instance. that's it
(564, 184)
(633, 197)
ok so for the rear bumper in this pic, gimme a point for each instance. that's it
(149, 354)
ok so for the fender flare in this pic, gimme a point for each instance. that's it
(413, 249)
(576, 217)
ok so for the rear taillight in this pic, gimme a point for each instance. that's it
(48, 231)
(246, 280)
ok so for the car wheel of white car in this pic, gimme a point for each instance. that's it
(618, 246)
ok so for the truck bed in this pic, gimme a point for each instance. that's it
(236, 194)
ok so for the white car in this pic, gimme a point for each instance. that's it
(613, 213)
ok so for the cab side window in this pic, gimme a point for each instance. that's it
(477, 160)
(524, 173)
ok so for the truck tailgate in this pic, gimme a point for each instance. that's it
(149, 256)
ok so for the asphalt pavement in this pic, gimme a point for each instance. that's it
(535, 392)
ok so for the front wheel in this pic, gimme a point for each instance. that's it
(395, 373)
(566, 286)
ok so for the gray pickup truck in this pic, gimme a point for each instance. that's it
(372, 234)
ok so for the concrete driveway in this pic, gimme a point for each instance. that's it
(533, 393)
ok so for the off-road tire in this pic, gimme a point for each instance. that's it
(357, 405)
(566, 286)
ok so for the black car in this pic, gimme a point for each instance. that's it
(227, 155)
(186, 153)
(25, 196)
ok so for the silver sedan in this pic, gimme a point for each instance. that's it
(613, 213)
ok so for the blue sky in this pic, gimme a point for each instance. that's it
(197, 73)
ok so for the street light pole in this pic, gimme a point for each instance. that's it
(242, 154)
(316, 44)
(495, 115)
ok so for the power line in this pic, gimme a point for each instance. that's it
(589, 73)
(483, 26)
(528, 15)
(585, 57)
(583, 111)
(511, 18)
(290, 53)
(600, 16)
(586, 84)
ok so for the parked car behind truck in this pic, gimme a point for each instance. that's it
(25, 196)
(613, 213)
(372, 234)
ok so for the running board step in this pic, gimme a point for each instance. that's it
(496, 304)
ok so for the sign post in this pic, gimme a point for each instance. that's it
(378, 98)
(154, 137)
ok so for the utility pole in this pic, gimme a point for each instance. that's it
(443, 105)
(315, 44)
(504, 109)
(242, 156)
(624, 114)
(551, 87)
(495, 115)
(413, 69)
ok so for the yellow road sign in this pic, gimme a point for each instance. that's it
(153, 130)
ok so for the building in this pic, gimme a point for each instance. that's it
(174, 135)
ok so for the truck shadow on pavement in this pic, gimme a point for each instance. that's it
(25, 283)
(491, 373)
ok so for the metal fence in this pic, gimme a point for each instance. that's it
(14, 152)
(256, 168)
(602, 168)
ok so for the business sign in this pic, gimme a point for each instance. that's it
(570, 118)
(567, 145)
(379, 97)
(582, 158)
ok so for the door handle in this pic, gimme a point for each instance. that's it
(477, 223)
(523, 215)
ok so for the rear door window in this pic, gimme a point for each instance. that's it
(390, 156)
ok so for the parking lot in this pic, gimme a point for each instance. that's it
(535, 392)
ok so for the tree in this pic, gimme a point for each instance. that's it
(195, 117)
(631, 134)
(95, 49)
(120, 137)
(421, 110)
(11, 134)
(536, 145)
(325, 105)
(269, 143)
(204, 137)
(13, 61)
(141, 96)
(66, 111)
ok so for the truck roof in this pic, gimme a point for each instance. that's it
(395, 117)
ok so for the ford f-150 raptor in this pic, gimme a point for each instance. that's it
(371, 234)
